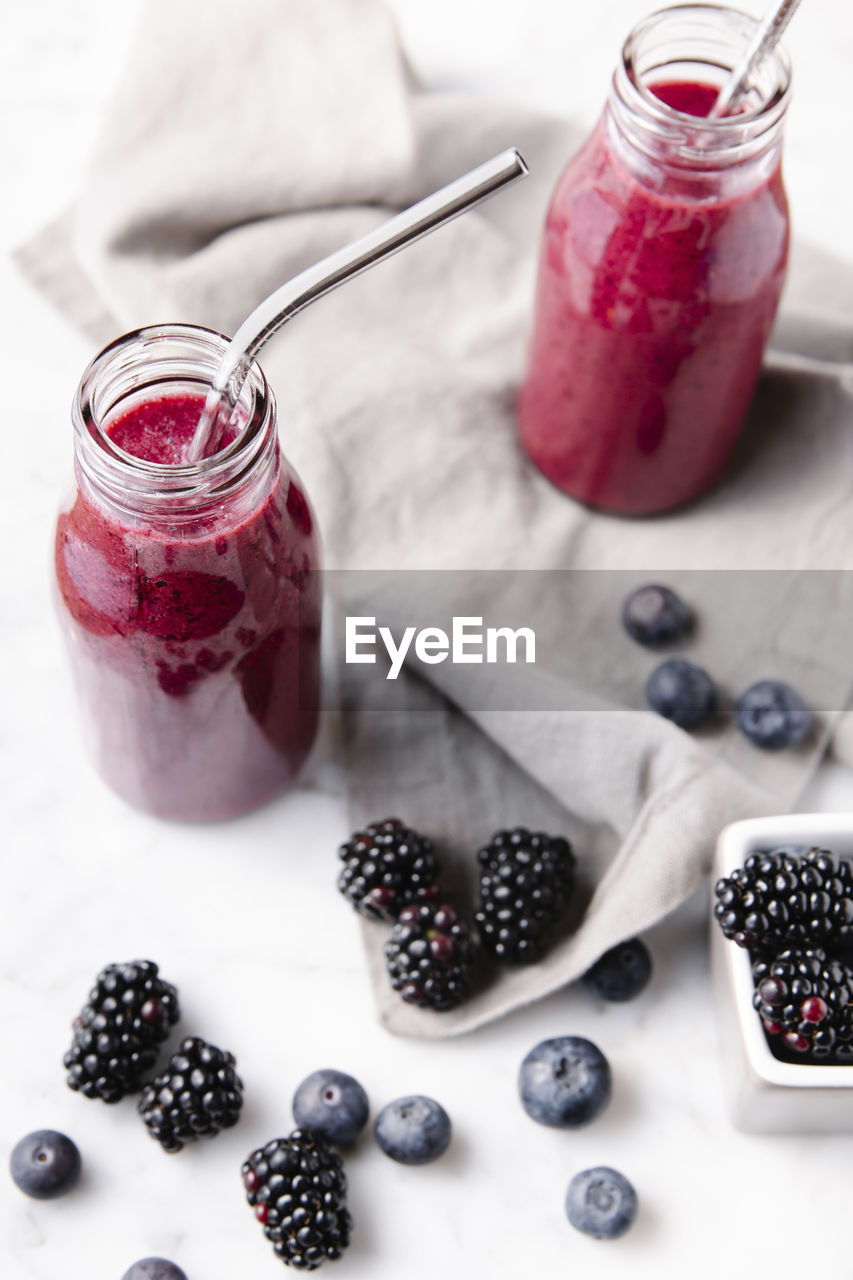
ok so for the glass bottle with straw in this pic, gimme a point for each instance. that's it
(662, 264)
(188, 565)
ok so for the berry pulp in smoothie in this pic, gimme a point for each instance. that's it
(656, 295)
(195, 644)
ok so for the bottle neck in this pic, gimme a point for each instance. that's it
(154, 363)
(667, 147)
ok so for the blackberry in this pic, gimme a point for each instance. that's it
(779, 899)
(429, 957)
(197, 1096)
(526, 881)
(806, 1000)
(117, 1032)
(387, 866)
(297, 1188)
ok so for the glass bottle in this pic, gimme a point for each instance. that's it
(189, 595)
(662, 262)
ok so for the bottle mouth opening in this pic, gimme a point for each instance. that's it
(700, 43)
(150, 363)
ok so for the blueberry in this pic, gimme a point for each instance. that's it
(655, 615)
(332, 1104)
(565, 1082)
(773, 715)
(601, 1202)
(622, 972)
(45, 1164)
(682, 692)
(154, 1269)
(413, 1130)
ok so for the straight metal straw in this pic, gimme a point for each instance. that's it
(292, 297)
(767, 35)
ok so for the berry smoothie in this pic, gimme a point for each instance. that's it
(657, 292)
(195, 643)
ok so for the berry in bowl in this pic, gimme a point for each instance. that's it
(782, 961)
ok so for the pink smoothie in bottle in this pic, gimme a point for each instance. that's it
(190, 596)
(662, 263)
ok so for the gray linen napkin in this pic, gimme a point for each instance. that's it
(248, 141)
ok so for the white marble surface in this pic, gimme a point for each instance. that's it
(242, 916)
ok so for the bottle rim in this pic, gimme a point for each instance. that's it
(153, 358)
(708, 38)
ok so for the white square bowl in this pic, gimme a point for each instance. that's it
(764, 1094)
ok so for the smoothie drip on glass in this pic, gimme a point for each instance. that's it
(662, 263)
(189, 595)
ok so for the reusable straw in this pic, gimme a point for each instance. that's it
(767, 35)
(336, 269)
